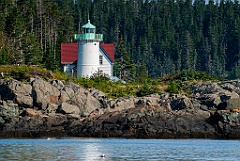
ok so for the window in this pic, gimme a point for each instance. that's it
(92, 30)
(100, 59)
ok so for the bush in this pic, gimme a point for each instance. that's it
(173, 88)
(20, 72)
(147, 89)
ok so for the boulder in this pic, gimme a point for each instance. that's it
(206, 88)
(100, 96)
(226, 123)
(181, 103)
(1, 121)
(52, 108)
(69, 109)
(17, 91)
(122, 104)
(57, 83)
(34, 113)
(231, 85)
(44, 93)
(26, 123)
(8, 112)
(148, 101)
(67, 94)
(55, 119)
(233, 103)
(78, 96)
(213, 95)
(23, 94)
(6, 92)
(97, 94)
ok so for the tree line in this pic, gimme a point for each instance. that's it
(152, 37)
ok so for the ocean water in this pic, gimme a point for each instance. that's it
(91, 149)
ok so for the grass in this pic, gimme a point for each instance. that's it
(173, 83)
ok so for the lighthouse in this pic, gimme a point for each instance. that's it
(88, 50)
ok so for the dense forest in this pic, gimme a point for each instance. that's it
(152, 37)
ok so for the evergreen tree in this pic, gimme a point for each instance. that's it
(32, 51)
(159, 37)
(15, 27)
(4, 49)
(125, 66)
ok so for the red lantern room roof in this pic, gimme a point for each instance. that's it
(69, 52)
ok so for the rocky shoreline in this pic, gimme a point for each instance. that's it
(40, 108)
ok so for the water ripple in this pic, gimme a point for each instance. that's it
(91, 149)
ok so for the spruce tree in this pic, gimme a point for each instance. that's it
(125, 66)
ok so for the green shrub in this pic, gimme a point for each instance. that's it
(173, 88)
(20, 72)
(147, 89)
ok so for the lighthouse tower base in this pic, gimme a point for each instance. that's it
(88, 58)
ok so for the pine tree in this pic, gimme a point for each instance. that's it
(16, 29)
(125, 66)
(159, 37)
(4, 49)
(32, 51)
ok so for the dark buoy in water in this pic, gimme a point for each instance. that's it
(103, 155)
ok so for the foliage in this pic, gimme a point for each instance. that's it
(17, 72)
(4, 49)
(25, 72)
(173, 88)
(123, 63)
(102, 83)
(146, 90)
(111, 89)
(189, 75)
(32, 51)
(152, 38)
(99, 77)
(235, 72)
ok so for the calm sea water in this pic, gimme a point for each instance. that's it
(91, 149)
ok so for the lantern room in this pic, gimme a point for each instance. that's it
(88, 33)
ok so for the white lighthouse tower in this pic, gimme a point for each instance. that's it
(88, 50)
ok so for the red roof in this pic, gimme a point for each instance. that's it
(109, 49)
(69, 52)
